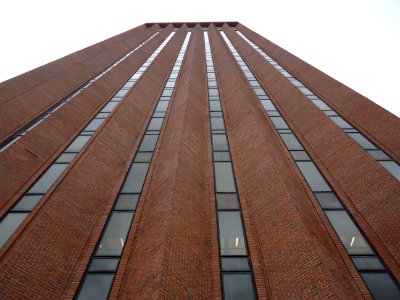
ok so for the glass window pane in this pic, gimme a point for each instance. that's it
(78, 143)
(167, 92)
(328, 200)
(279, 123)
(340, 122)
(237, 286)
(127, 202)
(273, 113)
(268, 105)
(349, 234)
(381, 285)
(367, 263)
(109, 107)
(224, 180)
(143, 156)
(96, 287)
(227, 201)
(231, 237)
(135, 179)
(321, 104)
(47, 179)
(155, 124)
(222, 156)
(215, 113)
(235, 264)
(300, 155)
(313, 177)
(215, 106)
(94, 124)
(291, 142)
(217, 123)
(213, 92)
(104, 265)
(113, 240)
(162, 106)
(304, 90)
(220, 142)
(66, 157)
(148, 143)
(378, 155)
(392, 167)
(362, 141)
(9, 224)
(27, 203)
(121, 93)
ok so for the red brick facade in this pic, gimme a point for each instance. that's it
(172, 251)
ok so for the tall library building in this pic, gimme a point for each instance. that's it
(195, 161)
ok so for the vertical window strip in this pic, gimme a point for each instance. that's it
(104, 262)
(378, 154)
(236, 272)
(380, 282)
(14, 217)
(32, 124)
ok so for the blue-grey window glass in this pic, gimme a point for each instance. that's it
(328, 200)
(349, 234)
(340, 122)
(127, 202)
(267, 104)
(155, 124)
(78, 144)
(167, 93)
(300, 155)
(220, 143)
(148, 143)
(135, 179)
(362, 141)
(217, 124)
(224, 181)
(162, 106)
(215, 106)
(321, 104)
(381, 285)
(378, 154)
(291, 142)
(94, 124)
(227, 201)
(66, 157)
(367, 263)
(392, 167)
(47, 179)
(235, 264)
(237, 286)
(231, 237)
(313, 176)
(113, 239)
(109, 107)
(27, 203)
(279, 123)
(222, 156)
(143, 156)
(9, 224)
(213, 92)
(96, 287)
(104, 265)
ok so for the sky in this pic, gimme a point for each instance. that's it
(355, 41)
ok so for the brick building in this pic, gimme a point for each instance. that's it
(195, 161)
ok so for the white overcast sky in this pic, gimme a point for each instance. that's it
(355, 41)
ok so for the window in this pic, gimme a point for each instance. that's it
(109, 107)
(291, 142)
(362, 141)
(299, 155)
(47, 179)
(227, 201)
(392, 167)
(222, 156)
(224, 177)
(9, 224)
(231, 237)
(143, 157)
(78, 144)
(148, 143)
(66, 157)
(237, 286)
(367, 263)
(155, 124)
(217, 124)
(127, 202)
(267, 104)
(27, 203)
(215, 106)
(162, 106)
(313, 176)
(321, 104)
(96, 287)
(94, 124)
(220, 142)
(381, 285)
(104, 265)
(235, 264)
(328, 200)
(279, 123)
(135, 179)
(340, 122)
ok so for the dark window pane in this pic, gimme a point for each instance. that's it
(78, 144)
(279, 123)
(217, 123)
(349, 234)
(96, 287)
(109, 107)
(291, 142)
(321, 104)
(104, 265)
(148, 143)
(222, 156)
(300, 155)
(268, 105)
(235, 264)
(367, 263)
(162, 106)
(135, 179)
(27, 203)
(362, 141)
(143, 156)
(224, 180)
(127, 202)
(155, 124)
(215, 106)
(340, 122)
(94, 125)
(231, 237)
(237, 286)
(9, 224)
(328, 200)
(392, 167)
(66, 157)
(227, 201)
(378, 155)
(47, 179)
(113, 239)
(313, 177)
(381, 286)
(220, 142)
